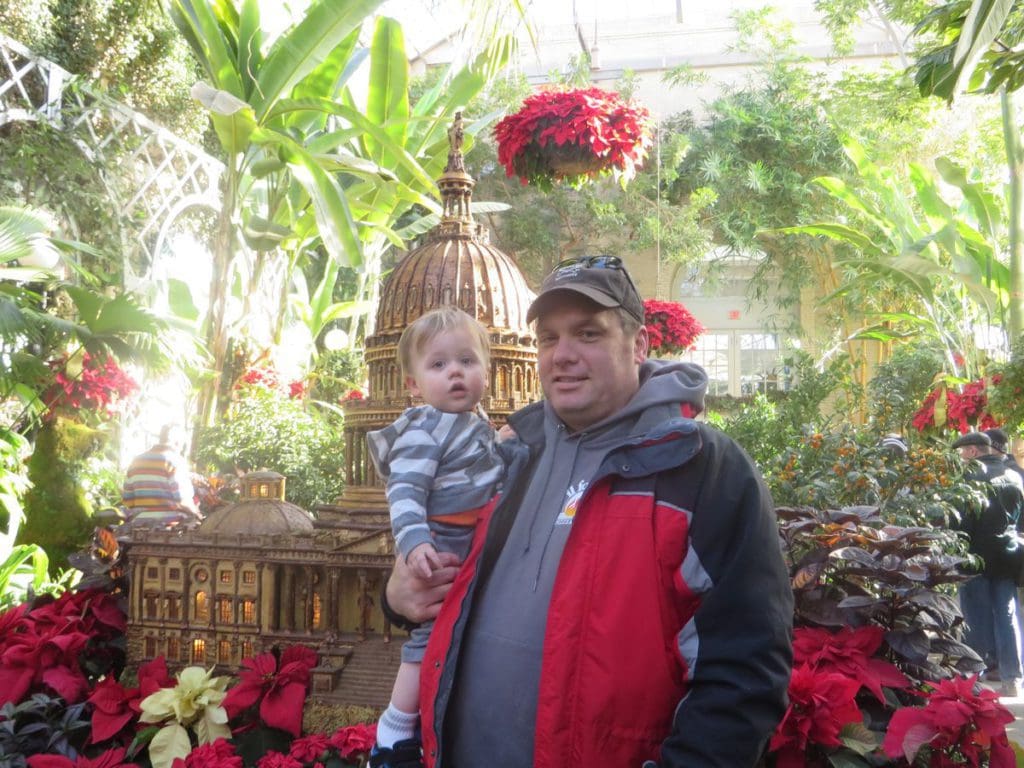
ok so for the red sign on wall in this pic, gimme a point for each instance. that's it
(734, 314)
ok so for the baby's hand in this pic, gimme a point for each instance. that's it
(506, 433)
(423, 560)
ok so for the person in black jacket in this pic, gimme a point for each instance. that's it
(989, 601)
(1000, 445)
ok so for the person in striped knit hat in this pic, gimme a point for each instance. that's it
(158, 489)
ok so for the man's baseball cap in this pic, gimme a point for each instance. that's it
(602, 279)
(972, 438)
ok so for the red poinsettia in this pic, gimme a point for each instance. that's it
(354, 394)
(963, 410)
(43, 647)
(112, 758)
(309, 749)
(962, 724)
(594, 130)
(353, 740)
(116, 707)
(820, 705)
(849, 652)
(216, 754)
(264, 376)
(671, 329)
(278, 685)
(85, 382)
(278, 760)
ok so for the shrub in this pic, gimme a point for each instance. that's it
(265, 429)
(900, 385)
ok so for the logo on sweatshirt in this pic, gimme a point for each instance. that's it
(572, 499)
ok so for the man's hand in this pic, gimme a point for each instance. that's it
(417, 598)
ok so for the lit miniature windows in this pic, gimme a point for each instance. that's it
(225, 614)
(202, 610)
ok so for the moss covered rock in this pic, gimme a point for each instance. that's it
(58, 515)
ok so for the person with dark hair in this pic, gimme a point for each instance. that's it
(625, 603)
(989, 601)
(158, 488)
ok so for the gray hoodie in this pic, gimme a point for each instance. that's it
(499, 669)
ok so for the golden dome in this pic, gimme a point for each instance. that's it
(462, 271)
(456, 266)
(261, 510)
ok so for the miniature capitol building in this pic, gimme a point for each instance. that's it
(256, 574)
(264, 572)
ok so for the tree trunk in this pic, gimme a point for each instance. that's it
(1015, 165)
(216, 329)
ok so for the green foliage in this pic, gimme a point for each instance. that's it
(847, 467)
(13, 483)
(335, 374)
(25, 574)
(761, 145)
(129, 48)
(766, 426)
(1006, 399)
(264, 429)
(58, 516)
(900, 385)
(915, 262)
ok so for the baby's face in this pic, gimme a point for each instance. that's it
(449, 372)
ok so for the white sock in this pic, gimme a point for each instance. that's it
(395, 725)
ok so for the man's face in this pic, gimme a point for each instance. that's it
(969, 452)
(589, 366)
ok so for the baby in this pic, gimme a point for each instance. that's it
(441, 467)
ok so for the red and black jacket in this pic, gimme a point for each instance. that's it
(668, 633)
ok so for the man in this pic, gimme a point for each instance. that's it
(989, 600)
(157, 488)
(1000, 445)
(626, 603)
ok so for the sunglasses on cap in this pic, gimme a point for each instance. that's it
(598, 262)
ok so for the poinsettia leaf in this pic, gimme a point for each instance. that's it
(213, 725)
(170, 744)
(847, 758)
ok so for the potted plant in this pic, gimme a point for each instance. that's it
(573, 136)
(671, 329)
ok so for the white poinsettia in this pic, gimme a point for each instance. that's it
(194, 703)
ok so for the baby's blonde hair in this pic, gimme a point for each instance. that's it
(432, 324)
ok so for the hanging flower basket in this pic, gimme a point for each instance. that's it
(671, 329)
(573, 136)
